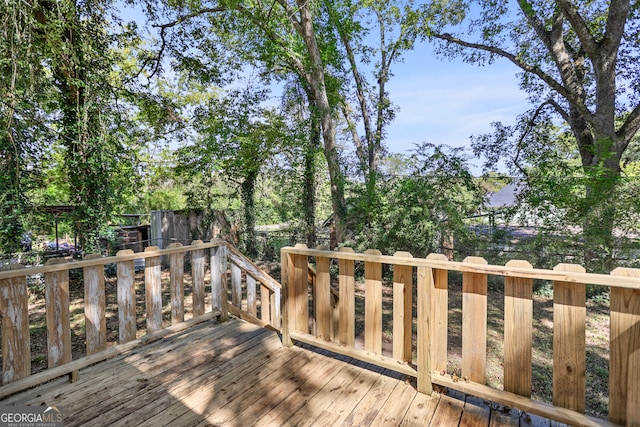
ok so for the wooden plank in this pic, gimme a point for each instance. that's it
(219, 280)
(252, 307)
(563, 276)
(475, 412)
(153, 291)
(421, 410)
(265, 304)
(373, 305)
(323, 308)
(106, 380)
(356, 353)
(236, 285)
(624, 356)
(176, 284)
(402, 310)
(311, 389)
(392, 413)
(569, 338)
(347, 301)
(57, 309)
(524, 404)
(14, 312)
(94, 307)
(271, 394)
(299, 294)
(438, 297)
(448, 412)
(197, 277)
(474, 323)
(109, 353)
(286, 279)
(518, 332)
(432, 337)
(126, 299)
(369, 407)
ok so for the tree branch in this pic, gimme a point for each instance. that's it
(553, 84)
(629, 128)
(580, 27)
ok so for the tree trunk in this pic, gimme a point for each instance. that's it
(316, 81)
(310, 181)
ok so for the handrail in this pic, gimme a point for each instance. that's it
(430, 277)
(498, 270)
(226, 264)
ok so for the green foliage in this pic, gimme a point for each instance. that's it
(420, 211)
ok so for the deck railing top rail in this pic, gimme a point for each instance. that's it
(613, 280)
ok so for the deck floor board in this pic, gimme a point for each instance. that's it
(237, 374)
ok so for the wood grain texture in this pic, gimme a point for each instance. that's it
(153, 291)
(265, 304)
(624, 359)
(197, 277)
(323, 308)
(126, 299)
(402, 310)
(438, 296)
(474, 323)
(252, 293)
(518, 332)
(94, 307)
(176, 284)
(219, 280)
(347, 301)
(14, 312)
(236, 285)
(373, 305)
(569, 342)
(57, 313)
(300, 295)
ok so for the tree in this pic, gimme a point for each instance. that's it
(578, 64)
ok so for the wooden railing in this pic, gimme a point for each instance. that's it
(311, 320)
(246, 279)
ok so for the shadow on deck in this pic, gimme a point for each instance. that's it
(238, 374)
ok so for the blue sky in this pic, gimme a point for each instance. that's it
(445, 102)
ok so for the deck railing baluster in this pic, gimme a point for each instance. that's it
(176, 284)
(14, 309)
(373, 304)
(346, 301)
(569, 336)
(94, 307)
(197, 278)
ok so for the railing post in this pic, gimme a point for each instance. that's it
(57, 309)
(176, 284)
(624, 357)
(518, 331)
(432, 324)
(16, 344)
(373, 304)
(402, 309)
(347, 302)
(474, 323)
(153, 291)
(197, 279)
(569, 337)
(286, 267)
(219, 280)
(126, 299)
(94, 308)
(438, 296)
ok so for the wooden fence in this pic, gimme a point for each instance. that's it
(314, 321)
(247, 282)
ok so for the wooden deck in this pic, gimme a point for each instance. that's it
(237, 374)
